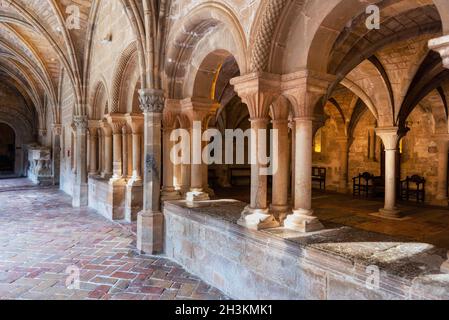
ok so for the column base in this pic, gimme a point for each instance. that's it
(280, 212)
(80, 196)
(170, 194)
(150, 232)
(209, 191)
(303, 221)
(195, 196)
(390, 213)
(257, 219)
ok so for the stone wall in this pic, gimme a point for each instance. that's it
(248, 264)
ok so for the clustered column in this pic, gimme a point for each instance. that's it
(258, 92)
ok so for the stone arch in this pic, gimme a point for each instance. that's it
(207, 28)
(306, 32)
(98, 101)
(126, 57)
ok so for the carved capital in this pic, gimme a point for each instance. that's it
(116, 122)
(441, 45)
(57, 129)
(304, 89)
(80, 122)
(42, 132)
(151, 100)
(135, 122)
(258, 91)
(391, 136)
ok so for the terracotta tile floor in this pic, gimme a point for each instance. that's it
(44, 242)
(421, 223)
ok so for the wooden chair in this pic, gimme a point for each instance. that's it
(319, 175)
(413, 188)
(362, 185)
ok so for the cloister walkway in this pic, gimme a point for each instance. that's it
(44, 243)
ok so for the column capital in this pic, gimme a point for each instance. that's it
(57, 129)
(198, 109)
(135, 122)
(80, 122)
(168, 120)
(116, 121)
(42, 132)
(151, 100)
(441, 45)
(258, 91)
(304, 90)
(391, 136)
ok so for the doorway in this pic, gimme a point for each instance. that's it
(7, 149)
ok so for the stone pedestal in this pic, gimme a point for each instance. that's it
(39, 165)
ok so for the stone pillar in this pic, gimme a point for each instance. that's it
(93, 147)
(125, 152)
(197, 110)
(279, 206)
(56, 153)
(107, 137)
(80, 188)
(258, 91)
(390, 137)
(134, 188)
(117, 121)
(168, 190)
(344, 153)
(443, 149)
(135, 122)
(304, 90)
(372, 145)
(150, 219)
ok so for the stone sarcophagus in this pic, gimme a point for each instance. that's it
(39, 164)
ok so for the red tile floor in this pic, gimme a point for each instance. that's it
(45, 243)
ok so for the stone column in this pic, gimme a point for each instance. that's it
(150, 219)
(125, 154)
(258, 91)
(390, 137)
(168, 190)
(197, 110)
(280, 187)
(93, 147)
(136, 124)
(100, 152)
(304, 90)
(80, 188)
(56, 153)
(117, 121)
(344, 153)
(443, 149)
(107, 137)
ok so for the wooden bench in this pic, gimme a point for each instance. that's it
(413, 188)
(319, 175)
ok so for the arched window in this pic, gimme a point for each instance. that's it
(317, 142)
